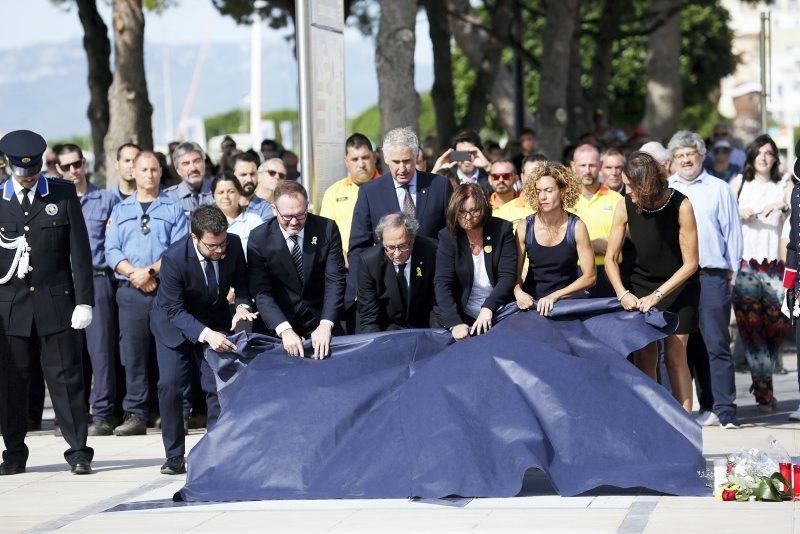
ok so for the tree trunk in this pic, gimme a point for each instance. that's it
(608, 34)
(562, 18)
(579, 120)
(394, 61)
(472, 39)
(129, 105)
(664, 99)
(442, 92)
(487, 69)
(98, 54)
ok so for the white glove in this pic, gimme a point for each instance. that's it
(785, 305)
(82, 316)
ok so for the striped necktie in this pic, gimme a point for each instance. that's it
(297, 256)
(409, 209)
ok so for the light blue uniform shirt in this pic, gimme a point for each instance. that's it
(126, 241)
(188, 198)
(97, 205)
(260, 207)
(719, 230)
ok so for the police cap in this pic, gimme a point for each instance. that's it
(24, 150)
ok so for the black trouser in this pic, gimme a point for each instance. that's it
(62, 363)
(174, 369)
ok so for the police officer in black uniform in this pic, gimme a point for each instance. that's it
(47, 295)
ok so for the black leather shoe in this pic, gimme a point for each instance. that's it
(10, 468)
(100, 428)
(81, 467)
(174, 466)
(132, 426)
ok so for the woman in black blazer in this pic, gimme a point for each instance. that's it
(475, 264)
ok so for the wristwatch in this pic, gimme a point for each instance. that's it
(151, 272)
(658, 294)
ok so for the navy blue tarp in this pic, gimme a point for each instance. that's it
(411, 414)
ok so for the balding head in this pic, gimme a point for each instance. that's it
(586, 165)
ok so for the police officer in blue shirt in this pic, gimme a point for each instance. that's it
(142, 227)
(194, 189)
(126, 183)
(101, 334)
(46, 296)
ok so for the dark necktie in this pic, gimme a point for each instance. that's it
(403, 286)
(26, 201)
(408, 203)
(211, 279)
(297, 256)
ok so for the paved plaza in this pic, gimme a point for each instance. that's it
(128, 494)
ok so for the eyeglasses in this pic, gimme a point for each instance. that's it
(215, 246)
(474, 212)
(686, 155)
(144, 224)
(300, 217)
(502, 176)
(281, 175)
(67, 166)
(404, 247)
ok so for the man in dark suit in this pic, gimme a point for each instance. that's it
(297, 272)
(395, 279)
(46, 297)
(191, 312)
(421, 195)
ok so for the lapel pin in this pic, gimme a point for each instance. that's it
(419, 272)
(487, 249)
(314, 240)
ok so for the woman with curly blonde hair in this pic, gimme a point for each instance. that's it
(556, 243)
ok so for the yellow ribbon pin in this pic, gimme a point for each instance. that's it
(419, 272)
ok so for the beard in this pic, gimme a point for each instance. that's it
(249, 189)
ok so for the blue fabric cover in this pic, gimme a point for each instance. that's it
(411, 414)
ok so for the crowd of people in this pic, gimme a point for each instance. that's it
(140, 278)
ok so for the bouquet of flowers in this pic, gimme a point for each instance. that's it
(753, 475)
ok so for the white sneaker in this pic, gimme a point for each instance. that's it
(708, 418)
(795, 415)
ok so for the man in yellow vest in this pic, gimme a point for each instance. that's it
(340, 198)
(595, 207)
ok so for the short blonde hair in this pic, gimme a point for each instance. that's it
(565, 179)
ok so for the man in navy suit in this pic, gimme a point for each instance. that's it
(421, 195)
(297, 272)
(191, 312)
(395, 279)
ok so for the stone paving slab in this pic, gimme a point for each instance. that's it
(128, 494)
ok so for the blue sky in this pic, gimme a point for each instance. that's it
(189, 22)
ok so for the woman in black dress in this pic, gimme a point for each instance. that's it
(556, 243)
(663, 231)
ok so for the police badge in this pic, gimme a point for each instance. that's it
(51, 209)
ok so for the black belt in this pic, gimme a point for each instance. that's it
(713, 270)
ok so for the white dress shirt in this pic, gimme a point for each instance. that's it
(401, 192)
(202, 337)
(285, 325)
(406, 271)
(18, 190)
(464, 179)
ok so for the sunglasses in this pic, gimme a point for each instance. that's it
(502, 176)
(281, 175)
(73, 164)
(145, 223)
